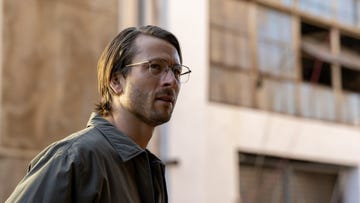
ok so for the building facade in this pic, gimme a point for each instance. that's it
(276, 98)
(271, 112)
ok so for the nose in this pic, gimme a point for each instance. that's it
(169, 79)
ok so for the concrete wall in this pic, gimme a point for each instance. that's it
(48, 74)
(188, 138)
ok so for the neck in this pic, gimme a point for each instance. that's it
(132, 127)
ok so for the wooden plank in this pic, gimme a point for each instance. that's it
(216, 44)
(317, 102)
(277, 96)
(296, 29)
(230, 86)
(253, 44)
(336, 74)
(346, 57)
(351, 108)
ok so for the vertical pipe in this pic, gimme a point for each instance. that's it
(163, 8)
(141, 11)
(1, 72)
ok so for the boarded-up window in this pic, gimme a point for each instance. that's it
(230, 53)
(261, 185)
(230, 86)
(312, 186)
(229, 34)
(266, 179)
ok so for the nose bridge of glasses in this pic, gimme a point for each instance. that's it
(166, 71)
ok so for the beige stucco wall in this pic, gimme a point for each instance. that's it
(188, 138)
(206, 137)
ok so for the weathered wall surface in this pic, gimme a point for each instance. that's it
(50, 51)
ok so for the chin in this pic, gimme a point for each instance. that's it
(159, 120)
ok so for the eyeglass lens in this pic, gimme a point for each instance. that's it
(159, 67)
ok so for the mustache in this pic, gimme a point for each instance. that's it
(166, 92)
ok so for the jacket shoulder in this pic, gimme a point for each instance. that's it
(72, 146)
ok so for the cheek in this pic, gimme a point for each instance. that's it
(142, 92)
(177, 90)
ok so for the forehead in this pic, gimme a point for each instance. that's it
(149, 47)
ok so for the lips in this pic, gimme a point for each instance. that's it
(166, 95)
(170, 99)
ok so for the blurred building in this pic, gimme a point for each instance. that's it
(271, 112)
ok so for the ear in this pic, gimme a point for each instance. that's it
(116, 83)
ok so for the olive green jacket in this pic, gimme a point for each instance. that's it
(97, 164)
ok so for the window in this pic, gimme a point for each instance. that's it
(287, 57)
(317, 99)
(315, 64)
(267, 179)
(275, 48)
(315, 70)
(348, 12)
(275, 54)
(230, 53)
(316, 7)
(350, 74)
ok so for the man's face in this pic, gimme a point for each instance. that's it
(151, 99)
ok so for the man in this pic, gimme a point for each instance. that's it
(139, 78)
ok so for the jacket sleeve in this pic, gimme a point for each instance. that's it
(49, 179)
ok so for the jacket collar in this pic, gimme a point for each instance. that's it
(126, 148)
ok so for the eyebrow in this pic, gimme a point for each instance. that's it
(163, 59)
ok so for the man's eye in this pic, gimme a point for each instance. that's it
(177, 71)
(155, 68)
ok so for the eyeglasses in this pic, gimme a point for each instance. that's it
(159, 67)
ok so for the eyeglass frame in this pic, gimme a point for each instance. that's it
(165, 70)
